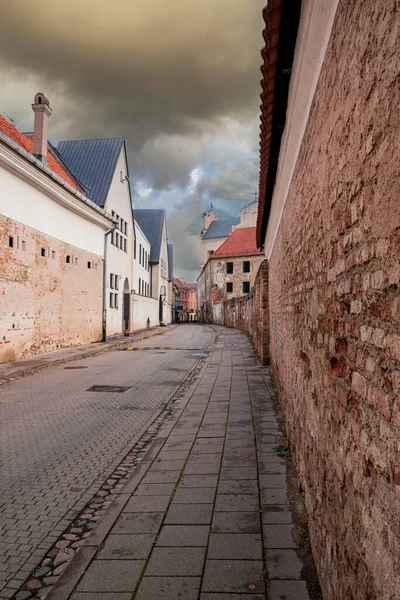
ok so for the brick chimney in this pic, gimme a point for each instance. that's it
(42, 110)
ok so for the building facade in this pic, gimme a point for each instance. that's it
(51, 247)
(187, 301)
(228, 273)
(153, 223)
(101, 168)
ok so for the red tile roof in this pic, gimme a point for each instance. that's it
(242, 242)
(181, 283)
(27, 144)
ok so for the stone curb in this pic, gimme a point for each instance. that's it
(77, 566)
(105, 347)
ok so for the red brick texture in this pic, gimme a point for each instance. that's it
(250, 313)
(335, 308)
(46, 303)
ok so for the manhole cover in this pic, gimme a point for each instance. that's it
(75, 367)
(107, 388)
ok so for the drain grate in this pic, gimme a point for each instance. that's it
(75, 367)
(107, 388)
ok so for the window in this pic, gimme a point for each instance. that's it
(68, 259)
(43, 252)
(76, 261)
(246, 266)
(111, 300)
(89, 265)
(134, 249)
(229, 267)
(121, 241)
(125, 246)
(122, 225)
(140, 254)
(140, 286)
(113, 213)
(126, 228)
(117, 217)
(11, 242)
(116, 238)
(115, 300)
(53, 254)
(112, 238)
(246, 287)
(116, 282)
(112, 281)
(23, 245)
(229, 287)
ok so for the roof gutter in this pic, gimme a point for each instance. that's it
(281, 19)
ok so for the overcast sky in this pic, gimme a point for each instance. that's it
(179, 80)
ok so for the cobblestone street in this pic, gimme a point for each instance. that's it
(59, 441)
(213, 511)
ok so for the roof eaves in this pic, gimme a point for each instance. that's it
(31, 158)
(281, 19)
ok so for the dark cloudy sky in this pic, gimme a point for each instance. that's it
(179, 79)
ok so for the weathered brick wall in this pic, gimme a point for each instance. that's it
(46, 303)
(250, 313)
(335, 308)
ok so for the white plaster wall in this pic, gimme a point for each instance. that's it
(206, 246)
(119, 261)
(315, 28)
(139, 271)
(26, 204)
(142, 309)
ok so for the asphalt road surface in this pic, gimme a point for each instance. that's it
(59, 441)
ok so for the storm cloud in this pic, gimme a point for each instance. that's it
(179, 80)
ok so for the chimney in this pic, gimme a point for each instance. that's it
(42, 111)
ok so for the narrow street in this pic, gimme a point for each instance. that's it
(60, 441)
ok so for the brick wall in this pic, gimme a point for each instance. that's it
(46, 303)
(250, 313)
(335, 309)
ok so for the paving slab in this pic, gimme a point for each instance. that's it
(176, 562)
(283, 564)
(233, 576)
(242, 546)
(184, 535)
(189, 514)
(127, 547)
(111, 576)
(131, 523)
(168, 588)
(289, 590)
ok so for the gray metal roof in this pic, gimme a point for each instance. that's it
(151, 222)
(170, 261)
(220, 228)
(92, 163)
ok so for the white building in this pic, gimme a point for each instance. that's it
(51, 247)
(153, 223)
(144, 307)
(101, 168)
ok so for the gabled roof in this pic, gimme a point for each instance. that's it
(220, 228)
(93, 164)
(151, 221)
(242, 242)
(26, 143)
(170, 261)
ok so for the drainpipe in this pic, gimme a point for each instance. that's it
(104, 330)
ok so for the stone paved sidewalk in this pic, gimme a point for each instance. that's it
(208, 516)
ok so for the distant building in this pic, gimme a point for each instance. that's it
(228, 273)
(153, 224)
(215, 231)
(51, 246)
(187, 305)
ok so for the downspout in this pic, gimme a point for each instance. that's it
(104, 329)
